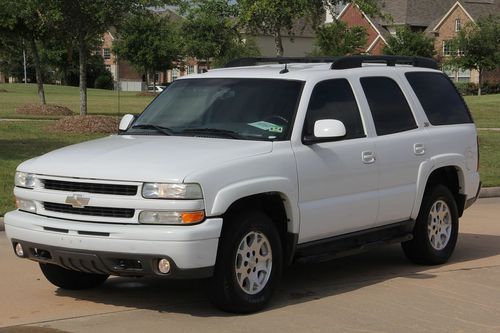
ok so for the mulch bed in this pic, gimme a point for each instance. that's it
(3, 90)
(147, 93)
(50, 110)
(86, 124)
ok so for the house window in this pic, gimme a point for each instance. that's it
(175, 74)
(458, 25)
(106, 53)
(190, 69)
(108, 68)
(446, 48)
(464, 75)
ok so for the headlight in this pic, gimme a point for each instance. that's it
(23, 179)
(26, 205)
(171, 191)
(151, 217)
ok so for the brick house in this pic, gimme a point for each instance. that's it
(446, 28)
(440, 19)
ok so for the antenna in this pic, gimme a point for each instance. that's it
(284, 70)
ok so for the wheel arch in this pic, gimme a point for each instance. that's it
(450, 175)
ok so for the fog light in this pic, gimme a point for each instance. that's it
(19, 250)
(164, 266)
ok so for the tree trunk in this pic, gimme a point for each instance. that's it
(82, 49)
(278, 42)
(480, 82)
(38, 73)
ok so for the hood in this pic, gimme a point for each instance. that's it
(142, 158)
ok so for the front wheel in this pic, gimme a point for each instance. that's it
(436, 228)
(249, 263)
(71, 280)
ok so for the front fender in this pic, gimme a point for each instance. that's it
(235, 191)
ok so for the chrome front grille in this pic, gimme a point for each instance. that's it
(89, 210)
(68, 186)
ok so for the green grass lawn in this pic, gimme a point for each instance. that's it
(485, 110)
(20, 141)
(99, 101)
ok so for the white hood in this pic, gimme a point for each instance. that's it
(142, 158)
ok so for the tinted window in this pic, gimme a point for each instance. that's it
(390, 110)
(333, 99)
(439, 98)
(250, 109)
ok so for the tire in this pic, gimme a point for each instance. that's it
(436, 228)
(240, 284)
(72, 280)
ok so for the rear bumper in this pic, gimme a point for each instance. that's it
(190, 249)
(470, 202)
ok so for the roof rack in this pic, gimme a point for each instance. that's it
(338, 62)
(389, 60)
(255, 61)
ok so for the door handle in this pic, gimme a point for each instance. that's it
(368, 157)
(419, 149)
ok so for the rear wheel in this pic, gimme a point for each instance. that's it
(72, 280)
(249, 263)
(436, 228)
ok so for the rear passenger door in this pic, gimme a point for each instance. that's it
(400, 147)
(337, 187)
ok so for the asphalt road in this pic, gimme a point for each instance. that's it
(378, 291)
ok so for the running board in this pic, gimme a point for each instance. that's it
(353, 243)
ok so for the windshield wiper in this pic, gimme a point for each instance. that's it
(162, 129)
(213, 131)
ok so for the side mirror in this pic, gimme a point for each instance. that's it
(326, 130)
(126, 122)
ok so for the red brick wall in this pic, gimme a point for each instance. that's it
(354, 17)
(378, 47)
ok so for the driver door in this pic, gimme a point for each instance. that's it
(338, 180)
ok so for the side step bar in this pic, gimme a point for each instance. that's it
(353, 243)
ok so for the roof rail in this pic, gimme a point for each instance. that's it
(358, 61)
(254, 61)
(345, 62)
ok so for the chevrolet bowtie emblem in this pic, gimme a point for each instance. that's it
(77, 200)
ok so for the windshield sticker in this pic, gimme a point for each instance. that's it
(266, 126)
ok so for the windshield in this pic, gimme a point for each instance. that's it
(247, 109)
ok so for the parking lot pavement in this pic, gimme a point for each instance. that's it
(377, 291)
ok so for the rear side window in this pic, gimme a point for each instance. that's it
(334, 99)
(390, 110)
(440, 100)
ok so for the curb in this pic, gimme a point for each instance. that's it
(489, 192)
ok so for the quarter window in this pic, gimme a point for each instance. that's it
(334, 99)
(439, 98)
(390, 110)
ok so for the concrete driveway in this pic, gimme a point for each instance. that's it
(378, 291)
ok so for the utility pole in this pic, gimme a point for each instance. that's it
(24, 60)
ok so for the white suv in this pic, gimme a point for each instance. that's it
(235, 173)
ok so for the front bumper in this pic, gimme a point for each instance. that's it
(192, 250)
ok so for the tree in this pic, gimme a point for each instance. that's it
(30, 21)
(276, 17)
(149, 42)
(477, 47)
(87, 20)
(409, 43)
(210, 32)
(337, 39)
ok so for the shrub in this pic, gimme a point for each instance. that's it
(104, 81)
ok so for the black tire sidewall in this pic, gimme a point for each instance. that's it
(233, 298)
(430, 254)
